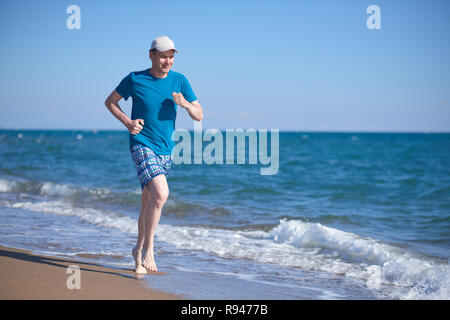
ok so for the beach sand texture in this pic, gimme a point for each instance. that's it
(25, 275)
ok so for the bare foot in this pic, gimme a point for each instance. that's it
(137, 255)
(149, 262)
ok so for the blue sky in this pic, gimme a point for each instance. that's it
(289, 65)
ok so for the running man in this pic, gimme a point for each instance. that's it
(156, 92)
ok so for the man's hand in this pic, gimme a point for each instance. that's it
(179, 99)
(135, 126)
(193, 108)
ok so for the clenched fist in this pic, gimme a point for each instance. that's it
(179, 99)
(135, 126)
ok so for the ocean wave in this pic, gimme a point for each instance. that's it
(314, 235)
(378, 263)
(102, 218)
(69, 192)
(46, 188)
(291, 243)
(7, 185)
(174, 206)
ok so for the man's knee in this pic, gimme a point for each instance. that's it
(158, 193)
(160, 197)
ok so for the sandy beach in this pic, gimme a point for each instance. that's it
(25, 275)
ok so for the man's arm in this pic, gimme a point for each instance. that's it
(193, 108)
(112, 103)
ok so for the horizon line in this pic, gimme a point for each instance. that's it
(223, 129)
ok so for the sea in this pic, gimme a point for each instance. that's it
(346, 215)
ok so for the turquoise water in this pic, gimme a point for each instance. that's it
(347, 216)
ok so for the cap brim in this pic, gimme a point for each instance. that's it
(166, 49)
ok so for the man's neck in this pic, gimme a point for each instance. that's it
(157, 74)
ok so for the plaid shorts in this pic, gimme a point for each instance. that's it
(149, 164)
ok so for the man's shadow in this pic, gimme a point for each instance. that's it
(63, 263)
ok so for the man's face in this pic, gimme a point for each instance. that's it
(162, 61)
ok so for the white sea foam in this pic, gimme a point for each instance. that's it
(49, 188)
(308, 246)
(45, 188)
(413, 277)
(94, 216)
(55, 189)
(6, 185)
(64, 190)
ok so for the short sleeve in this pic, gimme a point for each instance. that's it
(125, 87)
(187, 91)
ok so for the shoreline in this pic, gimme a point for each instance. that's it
(28, 276)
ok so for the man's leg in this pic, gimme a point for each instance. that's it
(137, 250)
(159, 192)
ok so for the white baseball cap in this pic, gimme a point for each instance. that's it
(163, 43)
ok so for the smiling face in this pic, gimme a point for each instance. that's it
(162, 62)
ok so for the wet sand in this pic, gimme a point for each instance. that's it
(25, 275)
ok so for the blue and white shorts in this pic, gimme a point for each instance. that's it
(149, 164)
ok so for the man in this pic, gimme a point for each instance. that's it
(156, 92)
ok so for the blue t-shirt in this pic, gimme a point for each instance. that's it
(153, 102)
